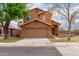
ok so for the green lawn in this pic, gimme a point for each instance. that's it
(11, 39)
(64, 39)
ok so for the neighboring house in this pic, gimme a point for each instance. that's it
(1, 30)
(14, 28)
(40, 25)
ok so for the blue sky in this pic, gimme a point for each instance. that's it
(56, 17)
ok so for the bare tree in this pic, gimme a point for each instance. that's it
(68, 12)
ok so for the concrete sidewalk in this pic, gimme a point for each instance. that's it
(69, 50)
(57, 44)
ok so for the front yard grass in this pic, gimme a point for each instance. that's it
(10, 39)
(64, 39)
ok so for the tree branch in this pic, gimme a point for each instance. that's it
(62, 14)
(73, 14)
(65, 11)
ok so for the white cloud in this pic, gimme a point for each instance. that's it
(77, 21)
(39, 5)
(35, 5)
(76, 7)
(50, 5)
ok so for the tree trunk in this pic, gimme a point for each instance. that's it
(6, 30)
(69, 31)
(69, 27)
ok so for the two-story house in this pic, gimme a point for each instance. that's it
(40, 25)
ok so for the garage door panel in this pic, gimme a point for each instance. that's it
(36, 33)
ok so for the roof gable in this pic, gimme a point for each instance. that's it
(39, 9)
(37, 21)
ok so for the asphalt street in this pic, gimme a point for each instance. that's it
(29, 51)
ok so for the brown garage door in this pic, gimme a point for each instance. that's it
(36, 33)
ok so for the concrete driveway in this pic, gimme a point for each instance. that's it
(33, 42)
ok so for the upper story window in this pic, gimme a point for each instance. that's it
(45, 18)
